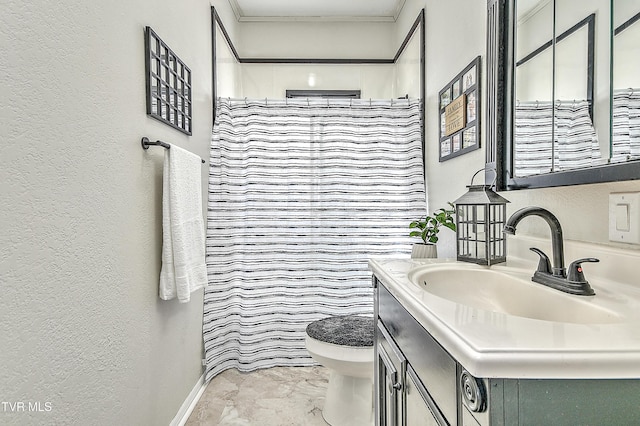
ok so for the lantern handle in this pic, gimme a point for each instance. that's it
(495, 177)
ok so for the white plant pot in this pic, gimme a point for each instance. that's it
(424, 251)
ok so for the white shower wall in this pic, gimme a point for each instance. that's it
(228, 70)
(407, 69)
(300, 39)
(317, 40)
(272, 80)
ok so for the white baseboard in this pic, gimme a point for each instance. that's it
(189, 404)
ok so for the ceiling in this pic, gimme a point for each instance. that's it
(317, 10)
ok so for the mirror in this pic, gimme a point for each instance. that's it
(625, 139)
(569, 92)
(559, 57)
(533, 121)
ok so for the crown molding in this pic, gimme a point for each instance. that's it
(241, 17)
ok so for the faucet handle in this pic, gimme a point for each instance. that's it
(544, 264)
(575, 270)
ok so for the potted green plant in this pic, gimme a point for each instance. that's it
(427, 229)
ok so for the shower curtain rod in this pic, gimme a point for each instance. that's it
(558, 102)
(146, 143)
(309, 100)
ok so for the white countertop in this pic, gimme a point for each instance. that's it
(497, 345)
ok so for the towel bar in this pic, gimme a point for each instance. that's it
(146, 143)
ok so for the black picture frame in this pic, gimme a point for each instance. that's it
(168, 84)
(466, 138)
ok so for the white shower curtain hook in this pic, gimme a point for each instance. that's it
(266, 102)
(245, 101)
(327, 102)
(391, 101)
(308, 105)
(350, 102)
(369, 102)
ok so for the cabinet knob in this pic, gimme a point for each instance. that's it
(473, 393)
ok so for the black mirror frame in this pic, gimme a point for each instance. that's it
(499, 115)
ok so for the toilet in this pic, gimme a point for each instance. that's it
(344, 344)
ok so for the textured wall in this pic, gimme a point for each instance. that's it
(448, 51)
(82, 326)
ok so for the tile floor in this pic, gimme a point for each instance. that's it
(280, 396)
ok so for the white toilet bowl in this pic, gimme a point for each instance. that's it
(349, 398)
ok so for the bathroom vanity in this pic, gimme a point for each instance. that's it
(448, 356)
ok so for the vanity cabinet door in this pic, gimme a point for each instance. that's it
(435, 367)
(420, 408)
(390, 364)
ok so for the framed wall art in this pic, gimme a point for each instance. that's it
(459, 109)
(168, 82)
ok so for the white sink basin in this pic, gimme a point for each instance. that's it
(511, 293)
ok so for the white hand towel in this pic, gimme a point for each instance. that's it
(183, 247)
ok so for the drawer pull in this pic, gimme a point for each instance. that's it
(473, 393)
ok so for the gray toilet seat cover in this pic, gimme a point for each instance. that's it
(347, 330)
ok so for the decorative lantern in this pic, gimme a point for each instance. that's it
(480, 218)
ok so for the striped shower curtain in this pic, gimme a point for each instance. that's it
(301, 194)
(626, 125)
(576, 143)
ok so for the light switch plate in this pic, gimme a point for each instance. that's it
(621, 228)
